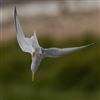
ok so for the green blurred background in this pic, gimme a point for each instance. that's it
(72, 77)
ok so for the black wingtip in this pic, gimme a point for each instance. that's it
(15, 14)
(15, 11)
(91, 44)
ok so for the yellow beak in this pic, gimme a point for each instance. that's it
(33, 74)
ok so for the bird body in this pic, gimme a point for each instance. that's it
(31, 45)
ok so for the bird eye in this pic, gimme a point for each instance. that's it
(33, 54)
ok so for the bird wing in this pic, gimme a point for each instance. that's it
(56, 52)
(34, 40)
(24, 43)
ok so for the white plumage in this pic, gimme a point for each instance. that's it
(31, 45)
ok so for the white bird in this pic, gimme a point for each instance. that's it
(31, 45)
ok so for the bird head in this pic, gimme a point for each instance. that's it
(36, 59)
(33, 72)
(33, 65)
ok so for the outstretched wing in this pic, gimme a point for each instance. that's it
(56, 52)
(24, 43)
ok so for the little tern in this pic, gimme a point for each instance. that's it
(31, 45)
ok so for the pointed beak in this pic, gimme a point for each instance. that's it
(33, 74)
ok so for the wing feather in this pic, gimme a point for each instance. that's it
(56, 52)
(34, 40)
(24, 43)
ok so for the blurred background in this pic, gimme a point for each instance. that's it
(63, 23)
